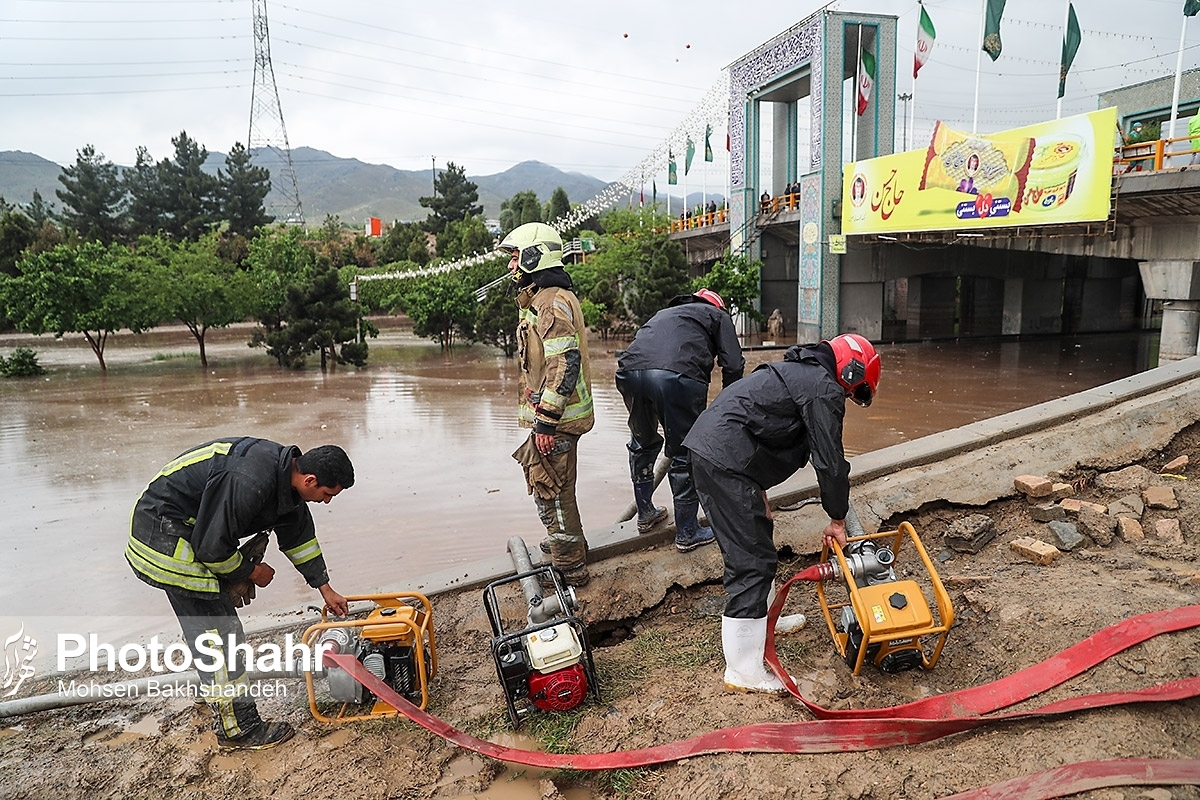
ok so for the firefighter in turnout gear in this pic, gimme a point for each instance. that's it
(755, 435)
(663, 377)
(184, 539)
(555, 389)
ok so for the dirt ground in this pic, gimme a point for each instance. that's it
(654, 620)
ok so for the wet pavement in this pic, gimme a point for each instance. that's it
(430, 434)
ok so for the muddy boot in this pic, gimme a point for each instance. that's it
(648, 515)
(570, 556)
(743, 642)
(688, 533)
(262, 736)
(544, 546)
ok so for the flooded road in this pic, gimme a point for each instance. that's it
(430, 435)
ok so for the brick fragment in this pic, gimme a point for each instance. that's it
(1061, 490)
(1168, 530)
(1130, 529)
(1178, 464)
(970, 534)
(1130, 478)
(1128, 506)
(1160, 497)
(1033, 485)
(1047, 512)
(1033, 550)
(1072, 505)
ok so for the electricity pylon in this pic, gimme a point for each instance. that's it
(268, 136)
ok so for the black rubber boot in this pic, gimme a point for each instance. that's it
(262, 736)
(648, 514)
(688, 533)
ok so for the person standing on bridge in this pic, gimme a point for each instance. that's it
(754, 436)
(555, 394)
(663, 377)
(183, 539)
(1194, 133)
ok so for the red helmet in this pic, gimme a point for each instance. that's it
(708, 295)
(858, 367)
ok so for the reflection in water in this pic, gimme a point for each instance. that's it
(430, 435)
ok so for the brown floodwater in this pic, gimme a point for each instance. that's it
(430, 434)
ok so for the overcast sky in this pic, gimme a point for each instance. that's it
(587, 87)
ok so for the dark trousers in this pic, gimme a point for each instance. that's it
(737, 511)
(234, 710)
(654, 397)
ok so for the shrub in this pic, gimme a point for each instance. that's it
(21, 364)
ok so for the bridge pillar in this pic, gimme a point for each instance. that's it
(1177, 284)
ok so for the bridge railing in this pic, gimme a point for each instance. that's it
(705, 220)
(1147, 156)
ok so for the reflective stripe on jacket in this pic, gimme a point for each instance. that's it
(186, 526)
(556, 378)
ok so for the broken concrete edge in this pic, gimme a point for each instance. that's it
(867, 472)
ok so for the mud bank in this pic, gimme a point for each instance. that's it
(654, 616)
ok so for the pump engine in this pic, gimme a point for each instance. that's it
(547, 664)
(395, 643)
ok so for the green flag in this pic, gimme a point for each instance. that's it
(653, 192)
(1190, 7)
(708, 156)
(672, 178)
(991, 28)
(1069, 48)
(687, 159)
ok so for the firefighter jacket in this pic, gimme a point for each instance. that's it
(769, 424)
(684, 338)
(186, 525)
(556, 376)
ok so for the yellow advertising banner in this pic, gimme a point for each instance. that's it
(1044, 174)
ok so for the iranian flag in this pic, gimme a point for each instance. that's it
(926, 36)
(866, 79)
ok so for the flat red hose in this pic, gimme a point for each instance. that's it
(871, 729)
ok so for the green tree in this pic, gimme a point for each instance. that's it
(559, 206)
(319, 317)
(143, 186)
(736, 279)
(273, 264)
(190, 195)
(197, 286)
(22, 363)
(496, 319)
(636, 263)
(522, 207)
(91, 196)
(463, 238)
(454, 198)
(442, 308)
(90, 288)
(406, 241)
(38, 209)
(17, 232)
(242, 189)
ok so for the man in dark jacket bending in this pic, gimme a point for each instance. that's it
(184, 538)
(755, 435)
(663, 377)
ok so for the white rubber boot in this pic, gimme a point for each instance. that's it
(743, 641)
(787, 623)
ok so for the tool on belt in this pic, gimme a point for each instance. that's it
(253, 551)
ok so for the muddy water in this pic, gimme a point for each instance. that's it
(430, 435)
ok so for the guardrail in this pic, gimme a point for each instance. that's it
(1151, 156)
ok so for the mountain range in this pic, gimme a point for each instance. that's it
(344, 187)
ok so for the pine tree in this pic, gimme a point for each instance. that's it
(560, 206)
(189, 193)
(143, 185)
(91, 196)
(454, 198)
(243, 188)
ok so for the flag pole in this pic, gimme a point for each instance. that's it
(912, 100)
(1178, 71)
(1066, 21)
(978, 63)
(854, 102)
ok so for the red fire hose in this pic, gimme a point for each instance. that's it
(871, 729)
